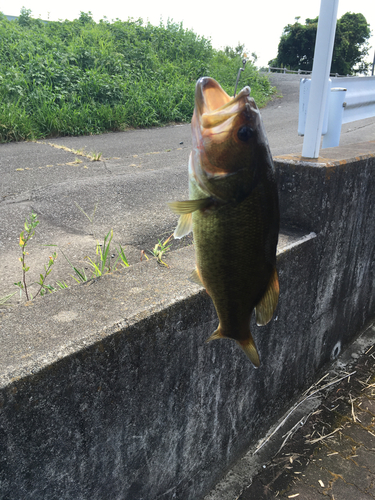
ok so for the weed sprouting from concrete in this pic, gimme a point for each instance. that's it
(95, 156)
(5, 299)
(29, 230)
(160, 250)
(102, 265)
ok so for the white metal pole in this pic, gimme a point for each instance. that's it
(325, 38)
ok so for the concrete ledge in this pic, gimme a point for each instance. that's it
(41, 332)
(108, 390)
(310, 189)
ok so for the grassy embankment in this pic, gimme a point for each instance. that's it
(81, 77)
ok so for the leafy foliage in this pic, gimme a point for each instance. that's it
(351, 44)
(297, 43)
(82, 77)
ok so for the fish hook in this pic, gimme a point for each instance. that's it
(238, 75)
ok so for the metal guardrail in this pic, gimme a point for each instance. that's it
(285, 70)
(349, 99)
(359, 99)
(304, 72)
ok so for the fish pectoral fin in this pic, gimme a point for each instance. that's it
(216, 335)
(189, 206)
(249, 348)
(266, 306)
(184, 226)
(195, 278)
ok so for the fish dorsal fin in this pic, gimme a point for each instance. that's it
(184, 226)
(195, 278)
(266, 306)
(189, 206)
(249, 348)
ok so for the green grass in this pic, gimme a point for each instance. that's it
(81, 77)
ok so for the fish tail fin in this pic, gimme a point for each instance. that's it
(216, 335)
(249, 348)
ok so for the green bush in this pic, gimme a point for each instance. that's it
(81, 77)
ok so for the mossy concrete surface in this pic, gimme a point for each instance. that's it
(108, 389)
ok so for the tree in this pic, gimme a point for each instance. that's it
(351, 45)
(297, 44)
(232, 53)
(24, 19)
(86, 18)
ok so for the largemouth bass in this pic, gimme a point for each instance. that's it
(232, 211)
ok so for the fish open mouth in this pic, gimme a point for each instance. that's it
(226, 131)
(215, 107)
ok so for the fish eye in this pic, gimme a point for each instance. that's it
(244, 133)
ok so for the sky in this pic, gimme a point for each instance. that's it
(258, 24)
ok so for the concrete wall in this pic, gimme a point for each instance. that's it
(338, 203)
(108, 391)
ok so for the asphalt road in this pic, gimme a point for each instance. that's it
(138, 172)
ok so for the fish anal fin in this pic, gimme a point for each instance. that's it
(249, 348)
(195, 278)
(184, 226)
(189, 206)
(266, 306)
(216, 335)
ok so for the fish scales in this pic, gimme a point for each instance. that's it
(233, 212)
